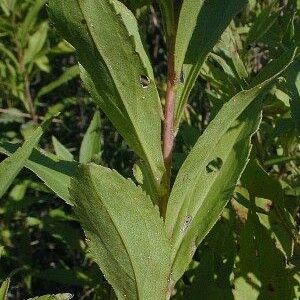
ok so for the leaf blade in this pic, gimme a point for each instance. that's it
(60, 150)
(11, 166)
(55, 173)
(91, 143)
(212, 19)
(194, 206)
(117, 87)
(131, 261)
(68, 75)
(4, 289)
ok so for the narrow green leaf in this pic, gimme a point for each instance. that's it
(275, 66)
(230, 44)
(61, 151)
(208, 176)
(36, 43)
(55, 173)
(68, 75)
(187, 23)
(263, 23)
(125, 233)
(10, 167)
(207, 21)
(91, 144)
(116, 71)
(4, 289)
(168, 13)
(30, 20)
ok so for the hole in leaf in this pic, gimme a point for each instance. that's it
(186, 223)
(214, 165)
(144, 81)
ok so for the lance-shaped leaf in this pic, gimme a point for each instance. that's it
(68, 75)
(116, 70)
(167, 8)
(4, 289)
(208, 176)
(31, 18)
(125, 233)
(11, 166)
(91, 144)
(201, 24)
(61, 151)
(55, 173)
(36, 43)
(187, 24)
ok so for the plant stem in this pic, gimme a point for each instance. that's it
(28, 98)
(168, 130)
(27, 93)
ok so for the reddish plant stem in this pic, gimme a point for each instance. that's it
(168, 130)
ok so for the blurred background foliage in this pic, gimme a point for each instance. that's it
(252, 252)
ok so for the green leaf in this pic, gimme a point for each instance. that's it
(207, 20)
(61, 151)
(30, 20)
(230, 44)
(117, 72)
(4, 289)
(65, 296)
(262, 272)
(36, 43)
(68, 75)
(10, 167)
(187, 23)
(55, 173)
(204, 275)
(263, 23)
(207, 178)
(168, 13)
(91, 144)
(1, 251)
(275, 66)
(135, 262)
(263, 186)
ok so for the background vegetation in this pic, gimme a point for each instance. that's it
(42, 246)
